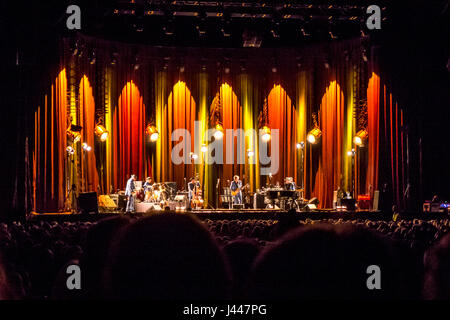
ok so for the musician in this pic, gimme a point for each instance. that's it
(236, 184)
(148, 185)
(130, 193)
(193, 186)
(289, 184)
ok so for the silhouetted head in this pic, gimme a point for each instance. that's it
(437, 271)
(323, 262)
(167, 256)
(98, 242)
(241, 255)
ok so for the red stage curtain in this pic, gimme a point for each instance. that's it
(373, 128)
(281, 116)
(128, 136)
(89, 176)
(393, 147)
(49, 156)
(330, 160)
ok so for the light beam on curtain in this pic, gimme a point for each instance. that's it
(179, 113)
(128, 136)
(373, 127)
(249, 102)
(281, 116)
(89, 174)
(232, 119)
(330, 161)
(300, 122)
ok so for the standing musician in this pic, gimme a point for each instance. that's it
(289, 184)
(148, 188)
(235, 185)
(193, 187)
(130, 193)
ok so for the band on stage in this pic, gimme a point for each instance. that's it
(192, 194)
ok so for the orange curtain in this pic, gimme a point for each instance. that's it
(49, 155)
(373, 128)
(128, 136)
(178, 113)
(281, 116)
(89, 176)
(232, 119)
(331, 158)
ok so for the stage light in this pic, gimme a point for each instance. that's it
(266, 134)
(300, 145)
(86, 147)
(351, 153)
(152, 131)
(364, 55)
(204, 148)
(194, 156)
(314, 135)
(74, 133)
(250, 153)
(101, 132)
(218, 134)
(70, 150)
(92, 58)
(360, 137)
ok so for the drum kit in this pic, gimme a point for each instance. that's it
(160, 192)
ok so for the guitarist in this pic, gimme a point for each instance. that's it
(236, 186)
(130, 192)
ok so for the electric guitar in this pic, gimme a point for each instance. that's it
(235, 192)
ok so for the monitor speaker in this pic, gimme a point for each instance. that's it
(88, 203)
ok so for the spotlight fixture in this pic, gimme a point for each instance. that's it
(314, 135)
(204, 148)
(70, 150)
(194, 156)
(351, 153)
(114, 58)
(364, 55)
(360, 137)
(300, 145)
(86, 147)
(266, 134)
(152, 131)
(74, 133)
(92, 58)
(218, 134)
(101, 132)
(136, 63)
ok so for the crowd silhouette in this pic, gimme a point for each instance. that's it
(178, 257)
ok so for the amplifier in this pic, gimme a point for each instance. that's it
(88, 203)
(258, 201)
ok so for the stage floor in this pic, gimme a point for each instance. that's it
(225, 214)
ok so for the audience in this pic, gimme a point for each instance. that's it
(166, 256)
(174, 256)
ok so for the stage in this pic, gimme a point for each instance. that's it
(244, 214)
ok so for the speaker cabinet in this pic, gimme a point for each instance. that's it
(88, 203)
